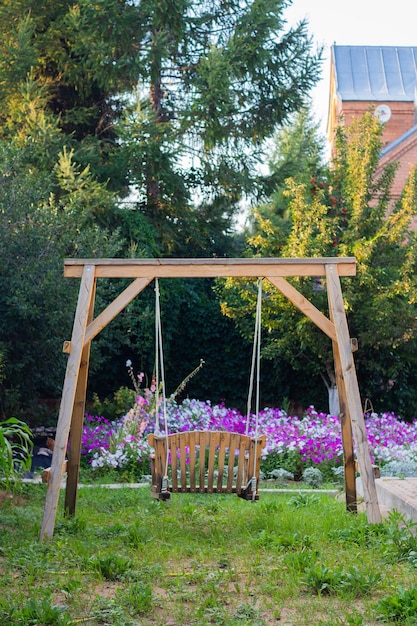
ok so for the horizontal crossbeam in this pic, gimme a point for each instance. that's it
(209, 268)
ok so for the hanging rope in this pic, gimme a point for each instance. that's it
(256, 359)
(255, 367)
(160, 381)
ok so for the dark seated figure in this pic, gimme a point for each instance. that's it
(42, 456)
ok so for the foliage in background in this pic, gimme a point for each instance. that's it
(15, 451)
(170, 100)
(345, 211)
(45, 215)
(132, 129)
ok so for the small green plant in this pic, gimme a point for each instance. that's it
(138, 598)
(15, 450)
(302, 499)
(357, 584)
(320, 579)
(300, 561)
(412, 558)
(248, 613)
(324, 581)
(312, 476)
(399, 607)
(111, 567)
(281, 474)
(36, 612)
(401, 536)
(107, 611)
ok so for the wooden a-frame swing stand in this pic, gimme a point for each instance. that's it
(143, 271)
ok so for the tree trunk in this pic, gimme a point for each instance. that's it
(334, 408)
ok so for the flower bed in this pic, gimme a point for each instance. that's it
(292, 443)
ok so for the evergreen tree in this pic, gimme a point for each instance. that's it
(212, 80)
(218, 79)
(85, 57)
(132, 128)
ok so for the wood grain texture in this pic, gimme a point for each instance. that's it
(353, 399)
(206, 268)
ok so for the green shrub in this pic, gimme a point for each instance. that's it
(399, 606)
(123, 400)
(312, 476)
(15, 450)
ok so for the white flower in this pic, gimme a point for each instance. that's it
(128, 363)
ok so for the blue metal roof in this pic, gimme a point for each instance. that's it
(376, 73)
(409, 133)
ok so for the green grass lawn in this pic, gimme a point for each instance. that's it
(296, 559)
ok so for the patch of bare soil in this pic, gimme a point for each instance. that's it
(6, 496)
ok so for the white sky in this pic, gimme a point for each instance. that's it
(353, 22)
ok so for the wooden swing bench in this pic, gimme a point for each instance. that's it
(206, 462)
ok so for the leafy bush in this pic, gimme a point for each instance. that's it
(281, 474)
(324, 581)
(312, 476)
(401, 539)
(399, 606)
(301, 500)
(15, 449)
(37, 612)
(110, 566)
(401, 469)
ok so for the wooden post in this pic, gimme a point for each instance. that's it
(67, 402)
(77, 421)
(353, 400)
(347, 440)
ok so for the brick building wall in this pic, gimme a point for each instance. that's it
(364, 77)
(404, 153)
(401, 120)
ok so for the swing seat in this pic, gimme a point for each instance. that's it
(206, 462)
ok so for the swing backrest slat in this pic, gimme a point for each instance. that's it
(193, 487)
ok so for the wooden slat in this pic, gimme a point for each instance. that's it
(220, 464)
(174, 462)
(202, 458)
(251, 457)
(159, 445)
(183, 462)
(209, 268)
(234, 445)
(347, 439)
(77, 420)
(259, 448)
(240, 477)
(46, 473)
(214, 442)
(193, 444)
